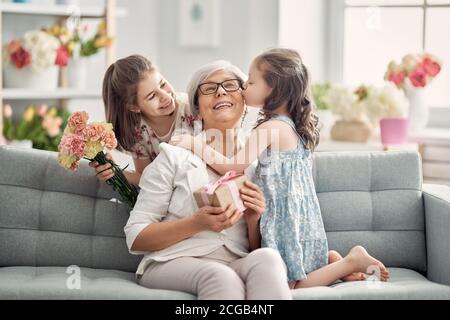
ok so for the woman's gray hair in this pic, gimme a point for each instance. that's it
(204, 73)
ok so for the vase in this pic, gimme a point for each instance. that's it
(77, 73)
(326, 121)
(27, 78)
(419, 112)
(394, 130)
(352, 131)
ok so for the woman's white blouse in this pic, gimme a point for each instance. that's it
(166, 194)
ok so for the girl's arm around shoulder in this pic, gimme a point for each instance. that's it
(265, 135)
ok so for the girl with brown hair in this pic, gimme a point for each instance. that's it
(144, 111)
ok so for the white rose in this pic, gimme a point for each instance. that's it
(42, 48)
(343, 103)
(386, 102)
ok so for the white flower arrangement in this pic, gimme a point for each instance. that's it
(37, 49)
(343, 103)
(367, 103)
(42, 48)
(386, 102)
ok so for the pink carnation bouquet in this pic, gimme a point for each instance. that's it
(89, 141)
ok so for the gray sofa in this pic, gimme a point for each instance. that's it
(51, 219)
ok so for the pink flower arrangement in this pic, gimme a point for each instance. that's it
(37, 49)
(38, 123)
(88, 141)
(418, 70)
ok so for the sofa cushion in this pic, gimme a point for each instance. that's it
(47, 283)
(375, 200)
(403, 284)
(50, 283)
(53, 217)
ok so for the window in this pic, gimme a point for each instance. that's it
(378, 31)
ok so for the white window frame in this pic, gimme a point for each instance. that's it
(335, 17)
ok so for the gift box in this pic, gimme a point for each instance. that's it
(223, 192)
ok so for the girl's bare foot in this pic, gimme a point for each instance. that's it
(364, 262)
(334, 256)
(356, 276)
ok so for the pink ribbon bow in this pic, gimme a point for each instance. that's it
(226, 179)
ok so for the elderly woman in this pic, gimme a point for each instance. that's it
(203, 251)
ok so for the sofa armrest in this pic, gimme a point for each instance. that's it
(437, 225)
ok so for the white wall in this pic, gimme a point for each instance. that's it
(246, 28)
(137, 33)
(303, 27)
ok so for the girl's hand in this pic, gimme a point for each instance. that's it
(216, 219)
(103, 172)
(254, 201)
(185, 141)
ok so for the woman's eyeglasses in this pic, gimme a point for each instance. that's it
(230, 85)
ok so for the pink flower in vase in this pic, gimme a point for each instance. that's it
(21, 58)
(13, 46)
(43, 108)
(52, 125)
(397, 78)
(7, 111)
(432, 68)
(62, 57)
(418, 77)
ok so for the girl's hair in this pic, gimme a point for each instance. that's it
(284, 72)
(120, 94)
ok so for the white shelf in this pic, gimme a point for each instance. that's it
(56, 10)
(433, 136)
(436, 170)
(61, 93)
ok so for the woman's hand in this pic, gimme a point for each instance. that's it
(103, 172)
(216, 219)
(254, 201)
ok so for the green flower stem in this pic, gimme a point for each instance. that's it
(119, 182)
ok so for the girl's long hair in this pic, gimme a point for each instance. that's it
(284, 72)
(120, 94)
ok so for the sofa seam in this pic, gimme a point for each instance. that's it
(37, 189)
(444, 202)
(393, 230)
(122, 237)
(92, 232)
(36, 248)
(65, 232)
(397, 189)
(108, 199)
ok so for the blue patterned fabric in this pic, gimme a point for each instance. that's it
(292, 222)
